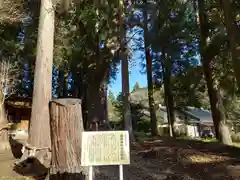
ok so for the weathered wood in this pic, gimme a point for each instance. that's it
(34, 161)
(27, 146)
(66, 125)
(39, 129)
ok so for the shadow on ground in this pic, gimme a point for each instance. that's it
(174, 159)
(16, 147)
(167, 159)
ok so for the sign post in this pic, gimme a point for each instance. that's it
(121, 172)
(90, 173)
(101, 148)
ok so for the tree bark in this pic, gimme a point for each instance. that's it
(149, 75)
(66, 127)
(104, 103)
(60, 83)
(126, 98)
(125, 75)
(39, 131)
(76, 84)
(218, 112)
(229, 19)
(168, 97)
(94, 106)
(65, 86)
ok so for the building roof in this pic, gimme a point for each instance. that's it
(198, 113)
(201, 114)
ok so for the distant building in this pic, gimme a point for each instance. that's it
(193, 121)
(190, 121)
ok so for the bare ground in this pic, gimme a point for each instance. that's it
(166, 159)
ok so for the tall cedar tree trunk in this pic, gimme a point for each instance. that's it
(76, 84)
(168, 97)
(65, 85)
(60, 83)
(218, 112)
(39, 132)
(126, 97)
(4, 141)
(105, 88)
(149, 75)
(229, 18)
(104, 101)
(66, 128)
(125, 75)
(95, 107)
(84, 97)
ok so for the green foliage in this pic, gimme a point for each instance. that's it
(11, 11)
(140, 96)
(111, 96)
(86, 25)
(143, 125)
(79, 35)
(189, 89)
(115, 106)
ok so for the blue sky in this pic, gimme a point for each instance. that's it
(135, 76)
(136, 60)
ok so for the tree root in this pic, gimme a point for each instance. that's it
(34, 161)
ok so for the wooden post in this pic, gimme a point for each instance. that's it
(66, 125)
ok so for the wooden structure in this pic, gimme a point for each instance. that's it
(18, 111)
(66, 125)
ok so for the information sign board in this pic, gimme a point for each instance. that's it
(105, 148)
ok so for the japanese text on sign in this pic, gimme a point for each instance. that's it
(105, 148)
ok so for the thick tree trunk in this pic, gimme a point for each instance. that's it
(65, 86)
(84, 97)
(168, 97)
(127, 118)
(149, 75)
(229, 17)
(212, 93)
(150, 94)
(60, 83)
(75, 89)
(218, 112)
(66, 127)
(125, 75)
(95, 108)
(39, 131)
(106, 122)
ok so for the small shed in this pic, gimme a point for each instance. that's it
(18, 111)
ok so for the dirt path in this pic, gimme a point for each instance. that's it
(6, 161)
(166, 159)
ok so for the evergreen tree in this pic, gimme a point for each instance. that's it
(111, 96)
(136, 87)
